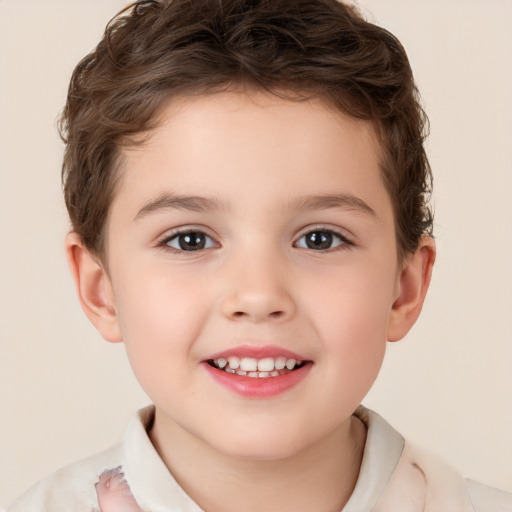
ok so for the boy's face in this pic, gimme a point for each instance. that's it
(250, 226)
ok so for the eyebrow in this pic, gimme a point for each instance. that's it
(174, 202)
(205, 205)
(326, 201)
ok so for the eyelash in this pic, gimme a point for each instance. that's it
(344, 242)
(175, 236)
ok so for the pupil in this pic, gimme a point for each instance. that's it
(319, 240)
(192, 241)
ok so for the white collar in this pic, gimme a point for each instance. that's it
(155, 489)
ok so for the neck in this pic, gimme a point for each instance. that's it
(320, 477)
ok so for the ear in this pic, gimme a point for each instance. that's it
(412, 286)
(94, 289)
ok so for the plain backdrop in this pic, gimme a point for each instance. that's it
(65, 393)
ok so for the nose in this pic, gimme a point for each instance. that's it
(258, 290)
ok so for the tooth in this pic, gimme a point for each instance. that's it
(248, 364)
(266, 364)
(280, 363)
(290, 364)
(275, 373)
(229, 370)
(234, 362)
(252, 374)
(263, 374)
(221, 362)
(240, 372)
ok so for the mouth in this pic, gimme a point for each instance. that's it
(263, 368)
(258, 372)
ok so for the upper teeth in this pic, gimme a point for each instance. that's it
(249, 364)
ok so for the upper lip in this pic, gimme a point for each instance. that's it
(257, 352)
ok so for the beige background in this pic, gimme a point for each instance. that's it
(66, 394)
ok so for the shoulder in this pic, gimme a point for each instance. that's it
(435, 486)
(73, 488)
(488, 499)
(70, 488)
(402, 476)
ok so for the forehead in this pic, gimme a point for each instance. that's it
(234, 145)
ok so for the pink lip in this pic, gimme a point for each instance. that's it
(257, 352)
(255, 387)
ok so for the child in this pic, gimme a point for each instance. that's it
(248, 191)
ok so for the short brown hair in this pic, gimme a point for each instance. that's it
(157, 49)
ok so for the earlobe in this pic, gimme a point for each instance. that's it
(94, 289)
(413, 284)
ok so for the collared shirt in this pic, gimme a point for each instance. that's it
(394, 477)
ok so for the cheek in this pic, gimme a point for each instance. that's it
(159, 318)
(355, 343)
(356, 301)
(352, 319)
(156, 301)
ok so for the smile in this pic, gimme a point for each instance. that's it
(256, 368)
(258, 372)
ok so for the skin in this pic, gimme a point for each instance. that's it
(259, 160)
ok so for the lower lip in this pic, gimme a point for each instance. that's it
(256, 387)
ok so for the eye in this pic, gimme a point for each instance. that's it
(189, 241)
(321, 240)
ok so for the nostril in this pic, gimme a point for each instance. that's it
(273, 314)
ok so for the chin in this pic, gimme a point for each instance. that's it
(262, 444)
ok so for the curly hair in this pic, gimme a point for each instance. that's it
(158, 49)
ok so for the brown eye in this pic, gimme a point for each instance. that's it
(320, 240)
(190, 241)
